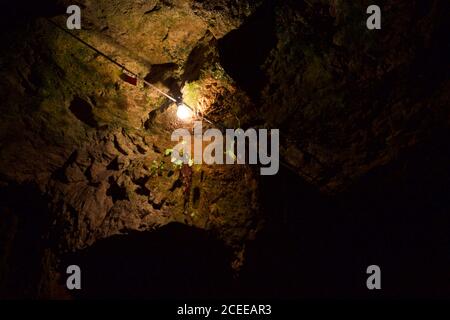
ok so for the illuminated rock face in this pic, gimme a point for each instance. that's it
(90, 142)
(93, 146)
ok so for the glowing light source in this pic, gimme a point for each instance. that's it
(184, 113)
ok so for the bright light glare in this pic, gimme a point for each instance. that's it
(183, 112)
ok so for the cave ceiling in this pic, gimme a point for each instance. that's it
(95, 145)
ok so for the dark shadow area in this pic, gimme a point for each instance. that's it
(301, 252)
(18, 12)
(165, 74)
(399, 217)
(426, 72)
(83, 111)
(244, 50)
(175, 261)
(202, 54)
(396, 217)
(24, 222)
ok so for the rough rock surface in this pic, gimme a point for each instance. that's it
(94, 145)
(354, 99)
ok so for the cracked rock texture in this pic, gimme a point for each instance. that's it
(95, 146)
(347, 101)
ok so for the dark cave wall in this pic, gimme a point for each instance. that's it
(24, 234)
(363, 118)
(396, 217)
(347, 99)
